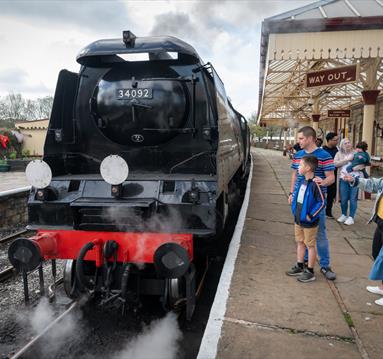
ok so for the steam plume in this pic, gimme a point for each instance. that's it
(158, 341)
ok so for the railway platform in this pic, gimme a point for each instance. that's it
(12, 180)
(271, 315)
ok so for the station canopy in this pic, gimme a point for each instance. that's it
(323, 35)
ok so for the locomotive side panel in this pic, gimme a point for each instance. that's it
(230, 146)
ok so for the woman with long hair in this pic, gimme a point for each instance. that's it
(348, 194)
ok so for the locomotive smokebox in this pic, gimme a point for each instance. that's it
(28, 253)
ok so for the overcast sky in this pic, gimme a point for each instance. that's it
(38, 38)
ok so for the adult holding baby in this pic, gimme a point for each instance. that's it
(348, 194)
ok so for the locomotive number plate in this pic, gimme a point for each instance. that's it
(127, 94)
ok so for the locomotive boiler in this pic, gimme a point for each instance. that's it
(143, 156)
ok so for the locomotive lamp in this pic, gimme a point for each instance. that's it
(114, 170)
(41, 194)
(194, 195)
(129, 38)
(39, 175)
(116, 190)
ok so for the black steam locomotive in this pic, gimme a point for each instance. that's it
(143, 157)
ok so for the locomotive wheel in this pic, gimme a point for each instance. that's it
(69, 279)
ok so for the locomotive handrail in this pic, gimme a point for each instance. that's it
(178, 130)
(104, 202)
(189, 159)
(182, 79)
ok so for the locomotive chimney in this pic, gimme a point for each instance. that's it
(129, 38)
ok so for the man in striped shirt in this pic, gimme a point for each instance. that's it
(324, 176)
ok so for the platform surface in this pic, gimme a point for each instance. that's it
(12, 180)
(271, 315)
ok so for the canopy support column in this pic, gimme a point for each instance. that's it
(295, 135)
(369, 98)
(315, 122)
(285, 137)
(316, 114)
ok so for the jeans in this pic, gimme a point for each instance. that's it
(348, 193)
(377, 241)
(323, 247)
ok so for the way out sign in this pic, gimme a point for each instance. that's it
(332, 77)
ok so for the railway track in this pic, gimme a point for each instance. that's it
(12, 236)
(33, 346)
(6, 273)
(34, 341)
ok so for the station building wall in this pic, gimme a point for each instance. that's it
(353, 127)
(34, 135)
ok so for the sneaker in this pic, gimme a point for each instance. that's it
(306, 276)
(342, 218)
(329, 216)
(328, 273)
(294, 271)
(349, 221)
(379, 301)
(375, 290)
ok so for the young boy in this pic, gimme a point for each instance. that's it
(361, 159)
(307, 202)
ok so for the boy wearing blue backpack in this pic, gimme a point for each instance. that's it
(307, 202)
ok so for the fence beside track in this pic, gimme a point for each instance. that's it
(13, 207)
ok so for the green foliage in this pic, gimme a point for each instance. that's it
(3, 161)
(12, 155)
(348, 319)
(25, 153)
(258, 131)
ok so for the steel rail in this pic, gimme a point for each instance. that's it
(30, 344)
(12, 236)
(6, 274)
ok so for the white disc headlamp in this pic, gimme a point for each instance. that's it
(38, 173)
(114, 169)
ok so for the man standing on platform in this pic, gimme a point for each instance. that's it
(332, 141)
(324, 176)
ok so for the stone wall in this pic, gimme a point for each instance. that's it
(13, 210)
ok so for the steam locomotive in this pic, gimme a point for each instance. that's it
(143, 156)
